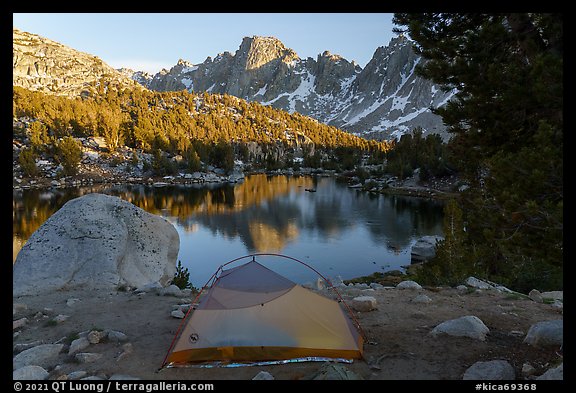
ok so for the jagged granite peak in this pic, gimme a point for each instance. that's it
(329, 70)
(384, 100)
(256, 52)
(50, 67)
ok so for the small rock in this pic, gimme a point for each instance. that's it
(536, 296)
(556, 295)
(408, 284)
(187, 292)
(28, 373)
(19, 323)
(546, 333)
(153, 287)
(557, 304)
(19, 347)
(556, 373)
(60, 318)
(496, 370)
(363, 303)
(78, 345)
(467, 326)
(95, 336)
(528, 369)
(477, 283)
(263, 376)
(88, 357)
(177, 314)
(462, 288)
(171, 290)
(116, 336)
(421, 299)
(77, 375)
(376, 286)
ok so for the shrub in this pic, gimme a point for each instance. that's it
(182, 277)
(68, 154)
(27, 161)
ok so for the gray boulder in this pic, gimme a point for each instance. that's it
(546, 333)
(422, 299)
(553, 295)
(88, 357)
(29, 373)
(556, 373)
(424, 248)
(78, 345)
(97, 241)
(116, 336)
(408, 284)
(468, 326)
(495, 370)
(45, 355)
(477, 283)
(363, 303)
(536, 296)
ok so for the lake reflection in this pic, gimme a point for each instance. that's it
(337, 230)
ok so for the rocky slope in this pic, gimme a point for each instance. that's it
(50, 67)
(383, 100)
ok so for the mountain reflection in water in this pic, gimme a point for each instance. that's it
(340, 231)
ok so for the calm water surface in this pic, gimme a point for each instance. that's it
(337, 230)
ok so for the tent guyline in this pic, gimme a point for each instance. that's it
(253, 315)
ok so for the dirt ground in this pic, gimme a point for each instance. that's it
(399, 345)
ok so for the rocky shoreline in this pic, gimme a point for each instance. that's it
(132, 166)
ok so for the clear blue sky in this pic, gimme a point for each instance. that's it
(152, 41)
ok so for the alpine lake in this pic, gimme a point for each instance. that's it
(339, 231)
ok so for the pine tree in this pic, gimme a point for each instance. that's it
(507, 121)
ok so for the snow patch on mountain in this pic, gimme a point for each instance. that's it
(385, 99)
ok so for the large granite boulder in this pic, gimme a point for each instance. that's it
(424, 248)
(493, 370)
(97, 241)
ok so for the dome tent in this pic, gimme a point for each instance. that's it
(250, 314)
